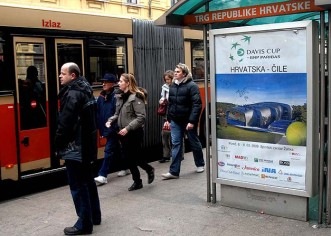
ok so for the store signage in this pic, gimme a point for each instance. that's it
(241, 13)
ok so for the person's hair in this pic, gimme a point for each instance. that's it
(184, 68)
(168, 73)
(73, 68)
(32, 73)
(133, 87)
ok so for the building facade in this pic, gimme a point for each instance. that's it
(140, 9)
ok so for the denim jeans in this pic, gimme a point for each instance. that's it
(84, 194)
(112, 151)
(167, 144)
(177, 135)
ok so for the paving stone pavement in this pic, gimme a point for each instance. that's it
(165, 207)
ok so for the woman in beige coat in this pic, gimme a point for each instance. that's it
(130, 115)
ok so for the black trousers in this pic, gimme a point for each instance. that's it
(131, 153)
(84, 194)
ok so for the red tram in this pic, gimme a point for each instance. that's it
(45, 40)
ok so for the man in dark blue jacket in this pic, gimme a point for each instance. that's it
(183, 116)
(106, 108)
(76, 143)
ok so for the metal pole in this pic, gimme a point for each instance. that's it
(328, 187)
(213, 184)
(205, 35)
(322, 117)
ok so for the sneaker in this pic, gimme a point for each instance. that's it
(200, 169)
(169, 176)
(101, 180)
(123, 173)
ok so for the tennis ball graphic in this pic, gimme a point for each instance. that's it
(296, 134)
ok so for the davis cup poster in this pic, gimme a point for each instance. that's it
(261, 107)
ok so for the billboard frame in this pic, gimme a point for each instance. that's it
(312, 147)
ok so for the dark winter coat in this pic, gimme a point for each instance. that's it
(106, 108)
(184, 102)
(76, 135)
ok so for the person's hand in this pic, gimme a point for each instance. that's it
(108, 124)
(189, 126)
(161, 100)
(123, 132)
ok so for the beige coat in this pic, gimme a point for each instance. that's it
(130, 115)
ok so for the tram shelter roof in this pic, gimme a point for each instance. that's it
(232, 13)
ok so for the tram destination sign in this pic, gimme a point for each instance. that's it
(258, 11)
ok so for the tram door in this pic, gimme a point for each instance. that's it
(68, 50)
(32, 97)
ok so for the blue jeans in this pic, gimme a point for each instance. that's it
(84, 194)
(112, 150)
(177, 135)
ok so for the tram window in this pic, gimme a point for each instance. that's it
(198, 63)
(4, 81)
(107, 55)
(70, 51)
(31, 80)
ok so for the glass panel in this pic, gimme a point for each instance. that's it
(220, 5)
(107, 55)
(280, 19)
(70, 52)
(198, 65)
(184, 8)
(30, 68)
(228, 4)
(4, 83)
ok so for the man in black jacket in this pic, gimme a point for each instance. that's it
(76, 143)
(184, 110)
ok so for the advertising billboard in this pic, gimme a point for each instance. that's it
(265, 107)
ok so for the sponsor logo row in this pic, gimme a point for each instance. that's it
(258, 160)
(252, 169)
(286, 178)
(291, 155)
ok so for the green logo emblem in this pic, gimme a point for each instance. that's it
(237, 51)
